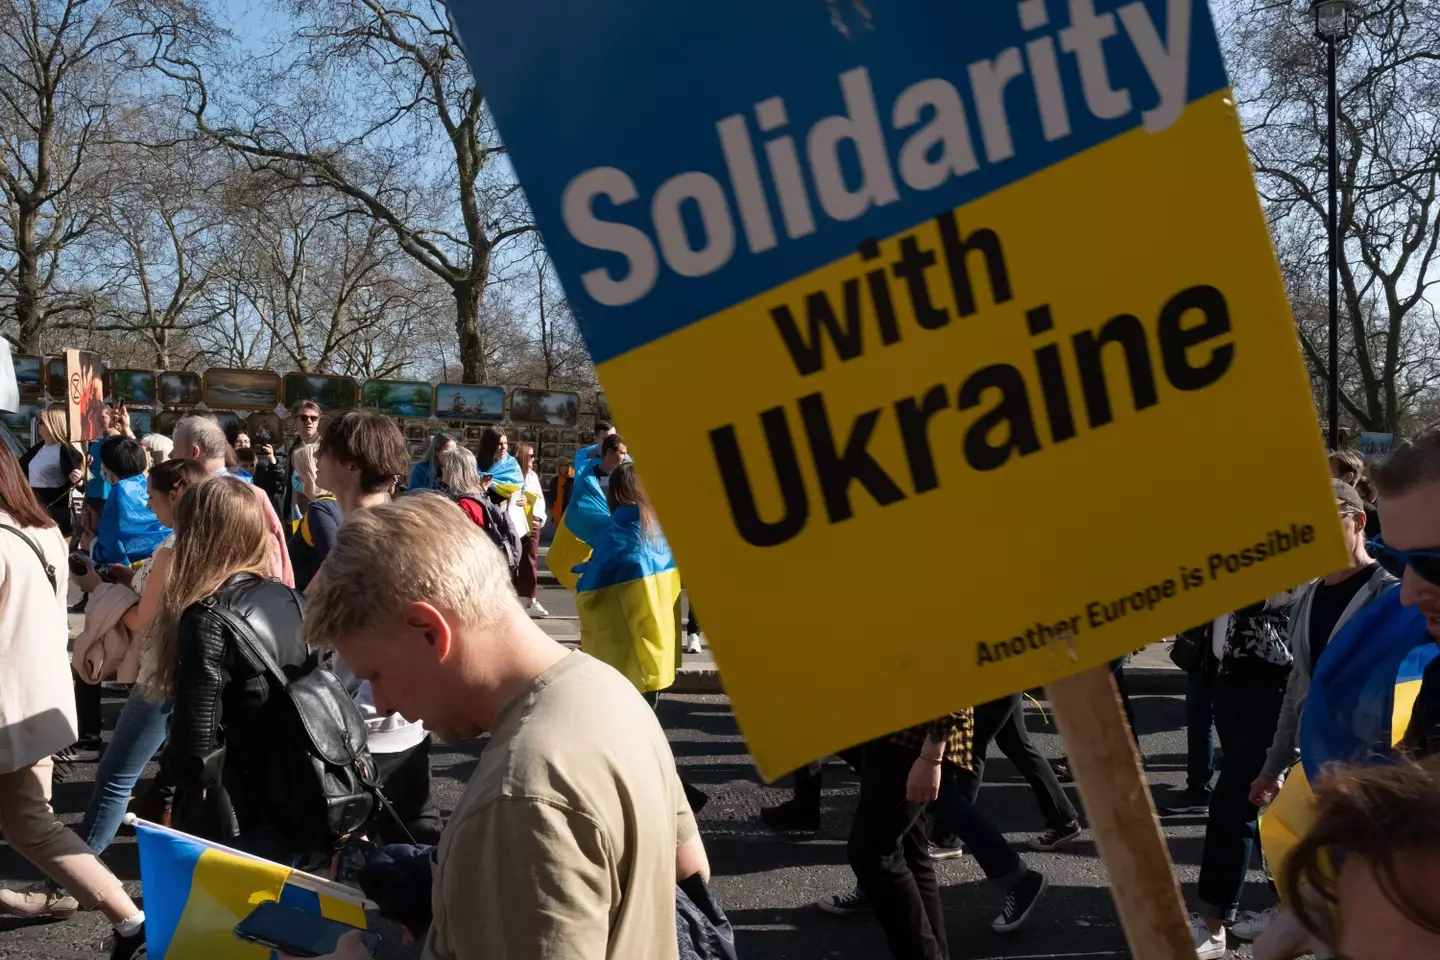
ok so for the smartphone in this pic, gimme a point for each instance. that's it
(79, 563)
(296, 932)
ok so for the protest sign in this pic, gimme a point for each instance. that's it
(932, 326)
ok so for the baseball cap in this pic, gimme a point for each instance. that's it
(1346, 498)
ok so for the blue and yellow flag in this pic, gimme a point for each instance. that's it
(1358, 708)
(629, 602)
(585, 520)
(196, 892)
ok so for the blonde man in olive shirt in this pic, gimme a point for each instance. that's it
(571, 834)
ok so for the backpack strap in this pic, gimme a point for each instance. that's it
(45, 565)
(245, 634)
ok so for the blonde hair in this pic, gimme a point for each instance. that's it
(220, 530)
(303, 460)
(459, 471)
(158, 446)
(58, 421)
(418, 549)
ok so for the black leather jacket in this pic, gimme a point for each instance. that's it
(224, 706)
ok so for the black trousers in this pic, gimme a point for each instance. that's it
(87, 708)
(887, 851)
(1246, 714)
(1003, 721)
(405, 778)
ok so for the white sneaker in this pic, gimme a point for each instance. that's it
(536, 611)
(1250, 924)
(1208, 946)
(692, 643)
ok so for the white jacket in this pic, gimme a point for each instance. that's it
(37, 700)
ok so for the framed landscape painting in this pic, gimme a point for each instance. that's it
(241, 389)
(544, 406)
(465, 401)
(331, 393)
(135, 387)
(410, 399)
(178, 388)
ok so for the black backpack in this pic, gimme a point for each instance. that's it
(499, 529)
(319, 785)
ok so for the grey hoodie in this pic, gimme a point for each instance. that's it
(1285, 748)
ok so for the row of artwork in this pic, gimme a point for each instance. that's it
(264, 390)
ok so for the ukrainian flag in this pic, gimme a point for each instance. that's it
(1358, 708)
(586, 518)
(629, 603)
(196, 892)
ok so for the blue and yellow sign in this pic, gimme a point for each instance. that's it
(935, 327)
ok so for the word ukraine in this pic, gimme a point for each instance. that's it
(1188, 331)
(939, 148)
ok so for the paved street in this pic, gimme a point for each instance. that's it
(769, 883)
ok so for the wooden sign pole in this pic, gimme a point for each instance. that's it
(1122, 815)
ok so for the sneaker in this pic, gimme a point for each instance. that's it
(127, 948)
(1020, 901)
(38, 900)
(1062, 770)
(536, 611)
(1208, 946)
(1054, 838)
(844, 904)
(692, 643)
(1250, 924)
(1188, 803)
(793, 814)
(946, 848)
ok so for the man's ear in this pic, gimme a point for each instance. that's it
(428, 622)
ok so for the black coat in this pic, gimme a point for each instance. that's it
(225, 708)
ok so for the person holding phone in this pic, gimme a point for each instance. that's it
(574, 830)
(54, 467)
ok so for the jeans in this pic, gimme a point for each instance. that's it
(1246, 714)
(1003, 721)
(139, 733)
(887, 851)
(1199, 728)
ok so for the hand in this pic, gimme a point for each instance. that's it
(74, 477)
(350, 947)
(266, 452)
(122, 420)
(120, 573)
(88, 580)
(923, 783)
(1263, 789)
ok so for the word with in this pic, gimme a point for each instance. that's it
(1187, 328)
(940, 148)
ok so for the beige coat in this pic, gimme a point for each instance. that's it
(104, 648)
(37, 700)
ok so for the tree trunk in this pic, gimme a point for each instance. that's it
(467, 331)
(28, 309)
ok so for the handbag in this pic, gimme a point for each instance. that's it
(1191, 649)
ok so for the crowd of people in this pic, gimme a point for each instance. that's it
(235, 588)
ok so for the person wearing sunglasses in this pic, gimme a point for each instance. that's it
(1408, 484)
(278, 476)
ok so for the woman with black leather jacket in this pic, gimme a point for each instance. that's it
(225, 703)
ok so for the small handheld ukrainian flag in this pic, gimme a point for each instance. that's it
(197, 891)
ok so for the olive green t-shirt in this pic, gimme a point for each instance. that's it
(563, 844)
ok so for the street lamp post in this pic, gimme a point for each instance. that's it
(1334, 21)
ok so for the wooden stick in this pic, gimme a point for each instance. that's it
(1122, 815)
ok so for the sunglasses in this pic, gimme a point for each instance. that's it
(1426, 563)
(307, 417)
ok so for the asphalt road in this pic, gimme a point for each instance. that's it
(769, 883)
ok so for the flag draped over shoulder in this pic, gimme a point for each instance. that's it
(628, 599)
(196, 892)
(506, 470)
(586, 518)
(1358, 708)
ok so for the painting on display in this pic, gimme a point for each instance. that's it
(227, 389)
(164, 422)
(141, 422)
(544, 406)
(602, 407)
(29, 372)
(331, 393)
(398, 398)
(458, 402)
(178, 389)
(54, 378)
(133, 387)
(21, 420)
(263, 427)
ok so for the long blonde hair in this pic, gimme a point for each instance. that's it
(58, 421)
(220, 530)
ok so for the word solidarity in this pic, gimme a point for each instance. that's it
(931, 145)
(1005, 398)
(1102, 613)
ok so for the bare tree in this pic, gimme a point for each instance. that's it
(1389, 85)
(62, 63)
(371, 88)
